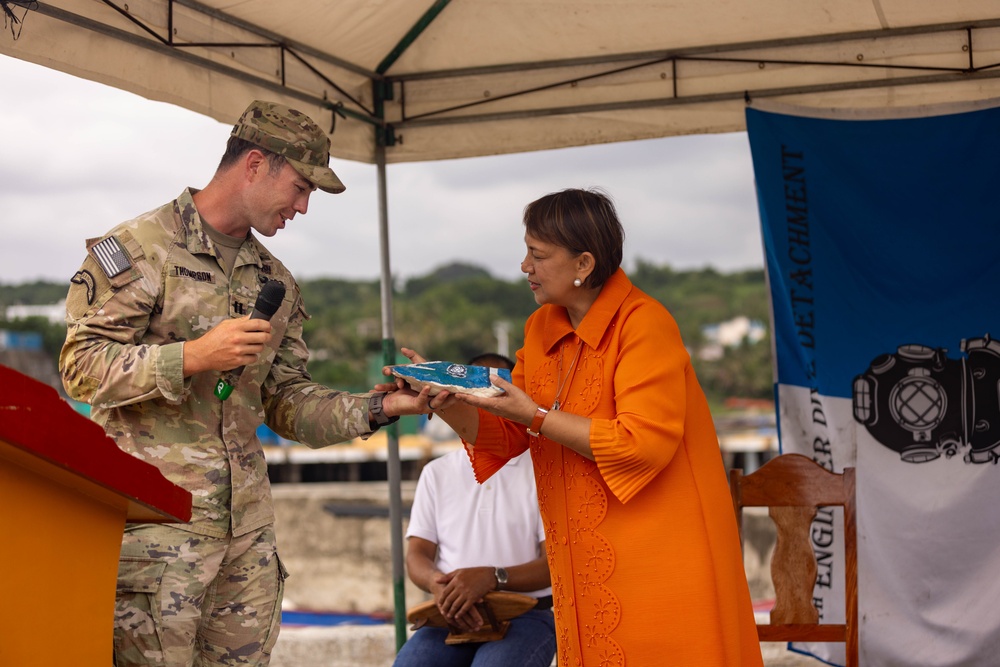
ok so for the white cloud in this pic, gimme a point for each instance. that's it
(79, 157)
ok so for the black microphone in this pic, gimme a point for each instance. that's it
(267, 304)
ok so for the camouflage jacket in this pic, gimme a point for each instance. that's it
(145, 288)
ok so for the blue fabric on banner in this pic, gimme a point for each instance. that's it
(882, 245)
(876, 233)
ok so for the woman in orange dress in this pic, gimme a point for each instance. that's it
(641, 535)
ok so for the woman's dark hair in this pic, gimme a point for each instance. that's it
(580, 221)
(236, 147)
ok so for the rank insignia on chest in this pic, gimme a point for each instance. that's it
(111, 256)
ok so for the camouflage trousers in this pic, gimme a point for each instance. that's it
(188, 600)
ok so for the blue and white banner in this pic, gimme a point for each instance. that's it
(882, 244)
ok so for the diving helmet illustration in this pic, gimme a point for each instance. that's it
(922, 404)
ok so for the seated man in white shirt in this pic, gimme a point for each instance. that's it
(464, 540)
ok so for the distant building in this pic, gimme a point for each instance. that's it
(20, 340)
(55, 313)
(731, 333)
(23, 351)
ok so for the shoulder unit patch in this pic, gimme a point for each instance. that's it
(84, 277)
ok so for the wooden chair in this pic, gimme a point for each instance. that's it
(793, 486)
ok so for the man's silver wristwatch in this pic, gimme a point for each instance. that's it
(501, 575)
(375, 411)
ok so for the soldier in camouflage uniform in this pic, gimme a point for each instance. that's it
(156, 315)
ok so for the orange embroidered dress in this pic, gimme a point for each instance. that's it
(642, 544)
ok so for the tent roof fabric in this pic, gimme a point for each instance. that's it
(438, 79)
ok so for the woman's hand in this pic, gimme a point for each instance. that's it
(412, 355)
(513, 404)
(463, 419)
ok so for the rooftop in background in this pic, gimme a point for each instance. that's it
(55, 313)
(730, 333)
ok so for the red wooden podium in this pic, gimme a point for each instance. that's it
(66, 492)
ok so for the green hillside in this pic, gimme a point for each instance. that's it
(452, 313)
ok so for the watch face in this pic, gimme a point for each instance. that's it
(501, 575)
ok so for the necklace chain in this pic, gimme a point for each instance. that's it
(569, 371)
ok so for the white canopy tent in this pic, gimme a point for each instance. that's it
(416, 80)
(460, 78)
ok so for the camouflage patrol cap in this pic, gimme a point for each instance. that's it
(293, 135)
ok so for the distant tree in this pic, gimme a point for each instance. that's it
(450, 314)
(36, 293)
(744, 371)
(453, 320)
(456, 271)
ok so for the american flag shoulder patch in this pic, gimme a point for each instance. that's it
(111, 256)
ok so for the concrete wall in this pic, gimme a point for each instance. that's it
(338, 563)
(343, 563)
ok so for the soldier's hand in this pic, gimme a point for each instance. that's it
(405, 401)
(228, 345)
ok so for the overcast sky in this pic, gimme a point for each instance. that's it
(78, 157)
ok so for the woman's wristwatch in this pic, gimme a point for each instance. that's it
(376, 415)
